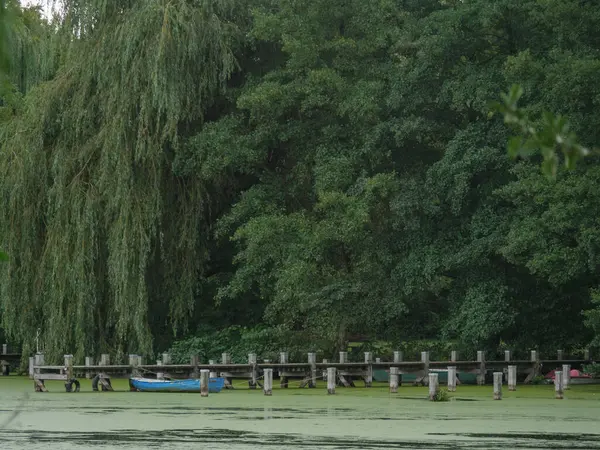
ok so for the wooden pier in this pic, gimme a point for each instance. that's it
(300, 374)
(6, 358)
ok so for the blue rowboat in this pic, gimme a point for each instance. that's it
(189, 385)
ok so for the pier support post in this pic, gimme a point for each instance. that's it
(5, 349)
(586, 354)
(268, 384)
(160, 375)
(433, 386)
(225, 358)
(31, 364)
(195, 362)
(394, 380)
(425, 361)
(343, 357)
(204, 381)
(558, 384)
(89, 361)
(39, 359)
(324, 374)
(453, 356)
(166, 359)
(331, 380)
(213, 374)
(566, 376)
(481, 361)
(133, 362)
(560, 355)
(535, 359)
(38, 384)
(252, 359)
(69, 366)
(507, 355)
(512, 378)
(312, 360)
(498, 385)
(369, 373)
(452, 378)
(398, 356)
(283, 359)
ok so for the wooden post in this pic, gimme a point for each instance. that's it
(369, 373)
(512, 378)
(425, 361)
(586, 354)
(133, 362)
(433, 386)
(268, 384)
(213, 374)
(195, 362)
(5, 349)
(498, 385)
(453, 356)
(312, 360)
(89, 361)
(166, 359)
(481, 361)
(560, 355)
(566, 374)
(69, 366)
(558, 385)
(377, 360)
(225, 358)
(204, 381)
(535, 359)
(252, 359)
(324, 374)
(104, 359)
(283, 359)
(398, 356)
(331, 380)
(343, 357)
(507, 355)
(394, 371)
(39, 359)
(451, 378)
(160, 375)
(31, 364)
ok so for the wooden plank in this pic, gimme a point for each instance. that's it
(50, 376)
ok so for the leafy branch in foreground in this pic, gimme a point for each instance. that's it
(551, 134)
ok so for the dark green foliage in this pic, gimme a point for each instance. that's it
(592, 369)
(324, 170)
(441, 395)
(265, 342)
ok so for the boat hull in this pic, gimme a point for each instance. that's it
(215, 385)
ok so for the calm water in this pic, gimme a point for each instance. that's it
(297, 419)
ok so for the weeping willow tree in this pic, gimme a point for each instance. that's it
(104, 239)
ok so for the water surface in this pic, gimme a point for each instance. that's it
(297, 419)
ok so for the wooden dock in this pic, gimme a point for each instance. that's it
(300, 374)
(7, 358)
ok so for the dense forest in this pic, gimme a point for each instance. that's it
(297, 173)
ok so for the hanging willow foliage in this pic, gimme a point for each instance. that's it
(104, 239)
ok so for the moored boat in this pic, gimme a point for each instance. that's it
(187, 385)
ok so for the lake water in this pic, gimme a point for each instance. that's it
(297, 419)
